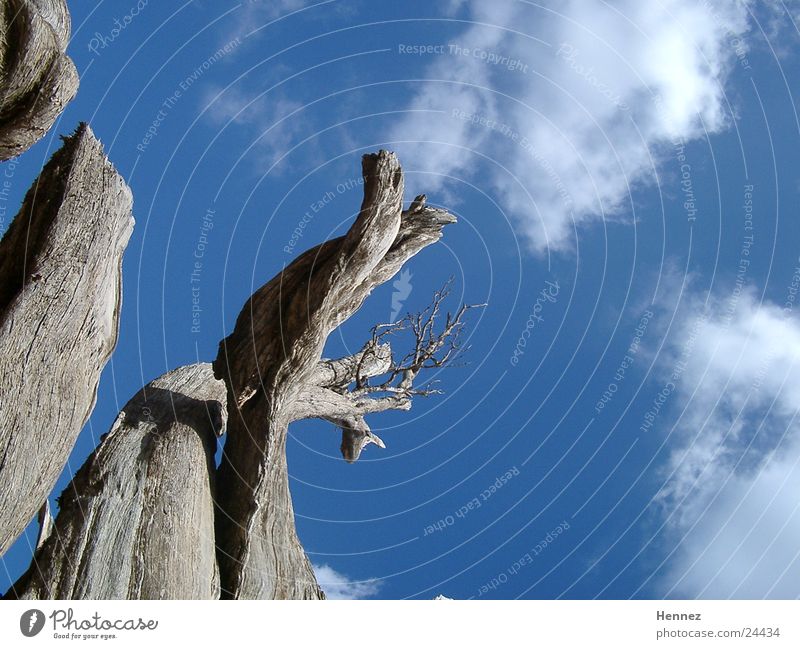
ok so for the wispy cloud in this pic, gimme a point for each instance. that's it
(272, 123)
(573, 105)
(730, 496)
(338, 586)
(255, 14)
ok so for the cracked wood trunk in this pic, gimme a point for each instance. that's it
(137, 521)
(37, 79)
(60, 276)
(271, 366)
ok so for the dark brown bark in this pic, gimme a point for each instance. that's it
(272, 369)
(137, 521)
(60, 274)
(37, 79)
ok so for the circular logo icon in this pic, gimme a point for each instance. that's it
(31, 622)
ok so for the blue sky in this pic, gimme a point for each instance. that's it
(626, 180)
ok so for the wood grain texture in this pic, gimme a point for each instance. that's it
(60, 294)
(137, 521)
(37, 79)
(271, 366)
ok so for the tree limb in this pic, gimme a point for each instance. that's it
(346, 406)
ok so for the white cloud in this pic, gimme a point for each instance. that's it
(338, 586)
(573, 125)
(730, 498)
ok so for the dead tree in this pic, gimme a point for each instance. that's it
(137, 520)
(273, 372)
(37, 79)
(60, 274)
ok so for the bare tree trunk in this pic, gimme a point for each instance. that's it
(139, 518)
(37, 79)
(60, 276)
(272, 369)
(137, 521)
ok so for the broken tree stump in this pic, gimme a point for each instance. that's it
(60, 298)
(137, 521)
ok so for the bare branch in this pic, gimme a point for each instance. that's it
(345, 406)
(371, 360)
(431, 349)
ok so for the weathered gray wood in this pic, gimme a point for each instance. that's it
(60, 274)
(137, 521)
(45, 524)
(271, 366)
(37, 79)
